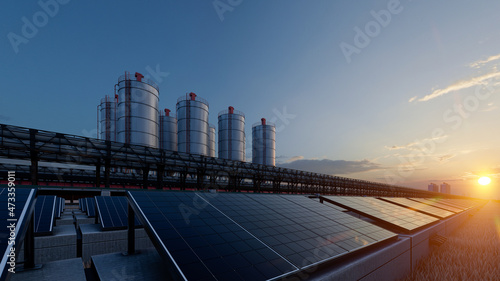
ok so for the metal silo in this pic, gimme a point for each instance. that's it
(107, 118)
(211, 140)
(232, 135)
(192, 125)
(168, 132)
(263, 143)
(138, 113)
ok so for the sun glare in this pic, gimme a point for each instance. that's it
(484, 180)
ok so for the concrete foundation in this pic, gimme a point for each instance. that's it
(147, 266)
(59, 246)
(70, 269)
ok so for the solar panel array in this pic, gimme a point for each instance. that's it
(397, 216)
(248, 237)
(24, 201)
(436, 204)
(430, 210)
(113, 212)
(44, 215)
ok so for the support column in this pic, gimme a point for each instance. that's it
(131, 231)
(159, 176)
(29, 244)
(98, 174)
(34, 157)
(145, 175)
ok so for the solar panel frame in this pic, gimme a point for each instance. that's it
(418, 206)
(24, 207)
(398, 217)
(44, 214)
(112, 212)
(262, 228)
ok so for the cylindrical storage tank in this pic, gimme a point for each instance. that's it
(138, 114)
(211, 140)
(168, 132)
(107, 120)
(263, 143)
(192, 125)
(232, 135)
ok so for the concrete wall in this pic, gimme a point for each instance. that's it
(96, 242)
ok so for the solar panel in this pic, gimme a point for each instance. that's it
(58, 208)
(90, 207)
(18, 215)
(112, 211)
(45, 208)
(421, 207)
(83, 204)
(458, 203)
(437, 204)
(399, 217)
(248, 237)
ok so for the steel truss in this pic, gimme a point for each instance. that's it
(105, 163)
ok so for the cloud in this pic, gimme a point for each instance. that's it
(412, 99)
(479, 63)
(416, 145)
(332, 167)
(445, 158)
(460, 85)
(294, 158)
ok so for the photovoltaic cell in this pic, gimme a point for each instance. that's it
(399, 217)
(90, 208)
(24, 201)
(430, 210)
(45, 208)
(436, 204)
(112, 211)
(248, 237)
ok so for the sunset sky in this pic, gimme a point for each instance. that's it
(402, 92)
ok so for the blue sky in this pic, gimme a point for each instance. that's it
(426, 75)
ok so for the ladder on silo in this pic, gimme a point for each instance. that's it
(128, 108)
(230, 137)
(188, 125)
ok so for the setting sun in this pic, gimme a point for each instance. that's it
(484, 180)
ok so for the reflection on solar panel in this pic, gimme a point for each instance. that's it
(90, 207)
(24, 201)
(439, 213)
(216, 236)
(45, 208)
(112, 211)
(437, 204)
(399, 217)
